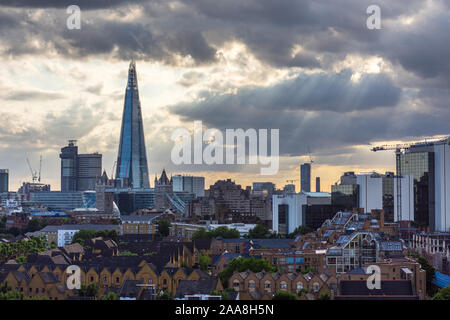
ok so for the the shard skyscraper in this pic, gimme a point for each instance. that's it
(132, 169)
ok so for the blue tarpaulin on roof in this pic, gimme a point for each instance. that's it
(441, 280)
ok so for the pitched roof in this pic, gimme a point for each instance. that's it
(130, 289)
(201, 286)
(388, 288)
(48, 277)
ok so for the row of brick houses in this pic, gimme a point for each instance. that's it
(108, 274)
(262, 285)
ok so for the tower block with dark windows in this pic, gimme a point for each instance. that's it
(132, 169)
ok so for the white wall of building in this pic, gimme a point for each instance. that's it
(407, 196)
(442, 187)
(65, 237)
(370, 191)
(295, 203)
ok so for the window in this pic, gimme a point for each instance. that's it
(150, 281)
(267, 285)
(105, 279)
(37, 290)
(299, 286)
(251, 284)
(117, 280)
(235, 283)
(283, 285)
(92, 279)
(165, 282)
(316, 286)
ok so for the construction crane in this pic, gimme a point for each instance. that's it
(35, 176)
(40, 168)
(33, 173)
(309, 155)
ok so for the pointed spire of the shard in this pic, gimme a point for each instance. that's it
(132, 167)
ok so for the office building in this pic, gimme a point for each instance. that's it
(428, 164)
(69, 155)
(190, 184)
(287, 212)
(289, 188)
(370, 191)
(291, 210)
(4, 180)
(263, 188)
(79, 172)
(406, 197)
(132, 169)
(305, 177)
(89, 170)
(344, 196)
(59, 201)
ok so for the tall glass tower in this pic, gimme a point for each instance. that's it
(132, 169)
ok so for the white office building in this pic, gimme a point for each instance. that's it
(287, 211)
(407, 198)
(370, 191)
(442, 185)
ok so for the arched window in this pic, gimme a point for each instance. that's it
(283, 285)
(299, 286)
(316, 286)
(267, 285)
(251, 284)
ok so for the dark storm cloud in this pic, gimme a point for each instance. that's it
(315, 92)
(327, 31)
(301, 129)
(84, 4)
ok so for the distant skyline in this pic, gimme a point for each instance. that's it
(312, 70)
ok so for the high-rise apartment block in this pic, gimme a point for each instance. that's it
(4, 180)
(305, 177)
(79, 172)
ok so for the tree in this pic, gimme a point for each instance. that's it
(164, 295)
(223, 294)
(90, 290)
(85, 234)
(204, 261)
(325, 296)
(200, 234)
(164, 227)
(222, 231)
(242, 264)
(442, 294)
(284, 295)
(35, 225)
(110, 296)
(260, 231)
(300, 230)
(14, 231)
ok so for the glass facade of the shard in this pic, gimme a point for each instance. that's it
(132, 169)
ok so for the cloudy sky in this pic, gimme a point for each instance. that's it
(310, 68)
